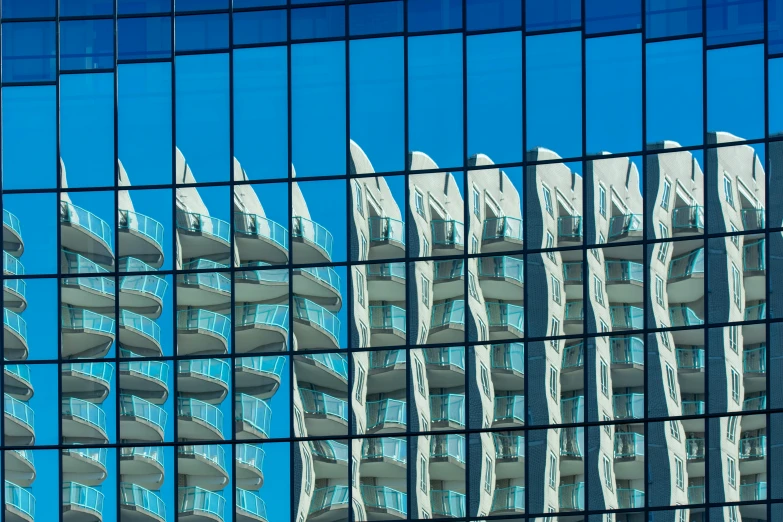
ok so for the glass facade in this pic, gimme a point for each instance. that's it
(353, 260)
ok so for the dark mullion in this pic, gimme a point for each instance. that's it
(590, 361)
(117, 311)
(707, 230)
(232, 355)
(646, 252)
(176, 268)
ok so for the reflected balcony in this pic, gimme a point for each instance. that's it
(203, 466)
(754, 365)
(202, 332)
(19, 427)
(627, 317)
(624, 281)
(387, 371)
(85, 334)
(628, 226)
(327, 370)
(312, 243)
(509, 411)
(509, 456)
(695, 449)
(628, 455)
(448, 279)
(388, 280)
(757, 312)
(329, 504)
(140, 237)
(203, 288)
(198, 420)
(19, 503)
(448, 236)
(753, 491)
(20, 467)
(627, 360)
(258, 276)
(261, 328)
(754, 264)
(199, 505)
(688, 220)
(696, 494)
(330, 458)
(506, 321)
(143, 465)
(386, 416)
(18, 382)
(91, 289)
(501, 277)
(140, 335)
(569, 229)
(502, 234)
(138, 504)
(447, 504)
(249, 466)
(752, 454)
(686, 277)
(754, 404)
(508, 366)
(752, 218)
(384, 503)
(83, 422)
(87, 381)
(573, 320)
(14, 290)
(628, 406)
(385, 457)
(83, 231)
(143, 293)
(572, 496)
(387, 238)
(82, 503)
(324, 414)
(572, 442)
(141, 420)
(200, 236)
(572, 366)
(447, 322)
(12, 234)
(691, 368)
(447, 411)
(146, 379)
(249, 507)
(260, 238)
(572, 279)
(630, 498)
(445, 366)
(253, 417)
(259, 377)
(315, 326)
(572, 409)
(387, 326)
(203, 379)
(320, 285)
(14, 336)
(508, 501)
(447, 456)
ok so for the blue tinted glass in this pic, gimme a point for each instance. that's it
(775, 26)
(734, 74)
(673, 17)
(143, 6)
(87, 44)
(200, 5)
(201, 32)
(434, 15)
(731, 21)
(28, 8)
(86, 7)
(317, 22)
(603, 16)
(28, 51)
(556, 14)
(255, 27)
(141, 38)
(238, 4)
(386, 17)
(775, 102)
(491, 14)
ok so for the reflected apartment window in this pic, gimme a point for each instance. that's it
(666, 194)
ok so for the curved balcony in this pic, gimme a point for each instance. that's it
(14, 290)
(330, 458)
(328, 370)
(688, 220)
(323, 413)
(143, 465)
(20, 467)
(253, 417)
(148, 380)
(684, 316)
(569, 229)
(572, 365)
(82, 503)
(14, 336)
(448, 236)
(447, 322)
(627, 226)
(202, 332)
(752, 454)
(83, 422)
(83, 231)
(387, 369)
(87, 381)
(694, 453)
(320, 284)
(329, 503)
(447, 456)
(627, 317)
(752, 218)
(630, 498)
(387, 238)
(573, 321)
(506, 321)
(448, 280)
(140, 237)
(203, 288)
(19, 504)
(140, 420)
(315, 327)
(502, 234)
(572, 452)
(261, 328)
(628, 455)
(249, 466)
(204, 466)
(509, 455)
(508, 366)
(249, 507)
(142, 293)
(12, 265)
(86, 334)
(198, 420)
(385, 457)
(387, 279)
(624, 281)
(509, 411)
(140, 335)
(384, 503)
(754, 263)
(138, 504)
(628, 405)
(258, 237)
(259, 376)
(12, 234)
(508, 501)
(572, 496)
(18, 383)
(19, 428)
(754, 365)
(501, 277)
(87, 465)
(386, 416)
(387, 326)
(257, 276)
(450, 504)
(627, 360)
(202, 236)
(203, 379)
(447, 411)
(445, 366)
(572, 409)
(312, 243)
(89, 289)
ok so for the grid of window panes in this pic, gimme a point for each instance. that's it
(376, 260)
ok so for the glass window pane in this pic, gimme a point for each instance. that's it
(147, 6)
(260, 27)
(140, 38)
(29, 51)
(27, 9)
(736, 73)
(558, 14)
(434, 15)
(375, 18)
(86, 7)
(317, 22)
(729, 21)
(493, 14)
(603, 16)
(87, 44)
(201, 32)
(673, 18)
